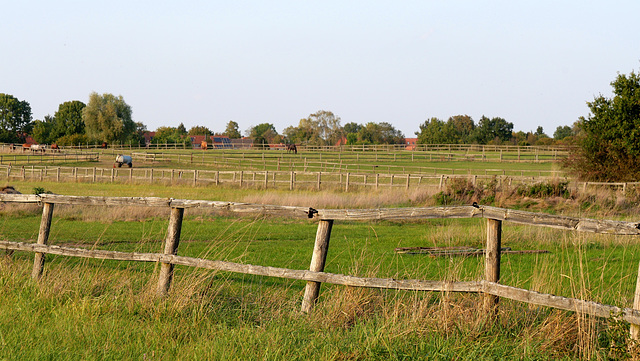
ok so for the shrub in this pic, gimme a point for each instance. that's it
(544, 190)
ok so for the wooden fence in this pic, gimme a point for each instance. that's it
(280, 179)
(315, 276)
(256, 179)
(18, 159)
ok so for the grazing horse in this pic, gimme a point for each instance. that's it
(292, 148)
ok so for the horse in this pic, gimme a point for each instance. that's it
(292, 148)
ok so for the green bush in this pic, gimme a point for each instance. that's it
(544, 190)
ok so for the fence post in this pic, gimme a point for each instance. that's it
(170, 248)
(318, 183)
(195, 177)
(408, 180)
(492, 262)
(346, 187)
(635, 329)
(318, 259)
(291, 181)
(43, 238)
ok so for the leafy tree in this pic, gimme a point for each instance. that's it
(609, 148)
(540, 132)
(73, 139)
(352, 138)
(15, 118)
(431, 132)
(494, 130)
(458, 129)
(68, 120)
(107, 118)
(232, 130)
(562, 132)
(170, 135)
(352, 127)
(380, 133)
(263, 134)
(319, 128)
(181, 129)
(43, 130)
(199, 130)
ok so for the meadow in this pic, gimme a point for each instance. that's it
(90, 309)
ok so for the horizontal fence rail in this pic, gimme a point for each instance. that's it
(283, 179)
(315, 276)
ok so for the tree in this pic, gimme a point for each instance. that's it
(68, 120)
(380, 133)
(199, 130)
(263, 134)
(232, 130)
(107, 118)
(494, 130)
(431, 132)
(170, 135)
(351, 128)
(15, 118)
(319, 128)
(609, 147)
(43, 130)
(458, 129)
(562, 132)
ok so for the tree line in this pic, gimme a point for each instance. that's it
(606, 142)
(108, 118)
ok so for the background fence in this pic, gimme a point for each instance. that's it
(291, 180)
(489, 287)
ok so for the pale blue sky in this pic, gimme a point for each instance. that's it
(208, 62)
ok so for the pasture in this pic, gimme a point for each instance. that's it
(92, 309)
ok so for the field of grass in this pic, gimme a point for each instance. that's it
(90, 309)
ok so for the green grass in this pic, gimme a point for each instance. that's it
(93, 309)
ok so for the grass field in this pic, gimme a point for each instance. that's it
(89, 309)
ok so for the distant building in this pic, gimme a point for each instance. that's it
(410, 143)
(221, 142)
(196, 140)
(148, 137)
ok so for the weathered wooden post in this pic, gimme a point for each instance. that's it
(318, 260)
(43, 238)
(346, 186)
(492, 262)
(170, 248)
(635, 329)
(292, 180)
(319, 180)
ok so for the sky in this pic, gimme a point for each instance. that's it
(533, 63)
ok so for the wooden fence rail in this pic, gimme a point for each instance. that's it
(279, 179)
(315, 276)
